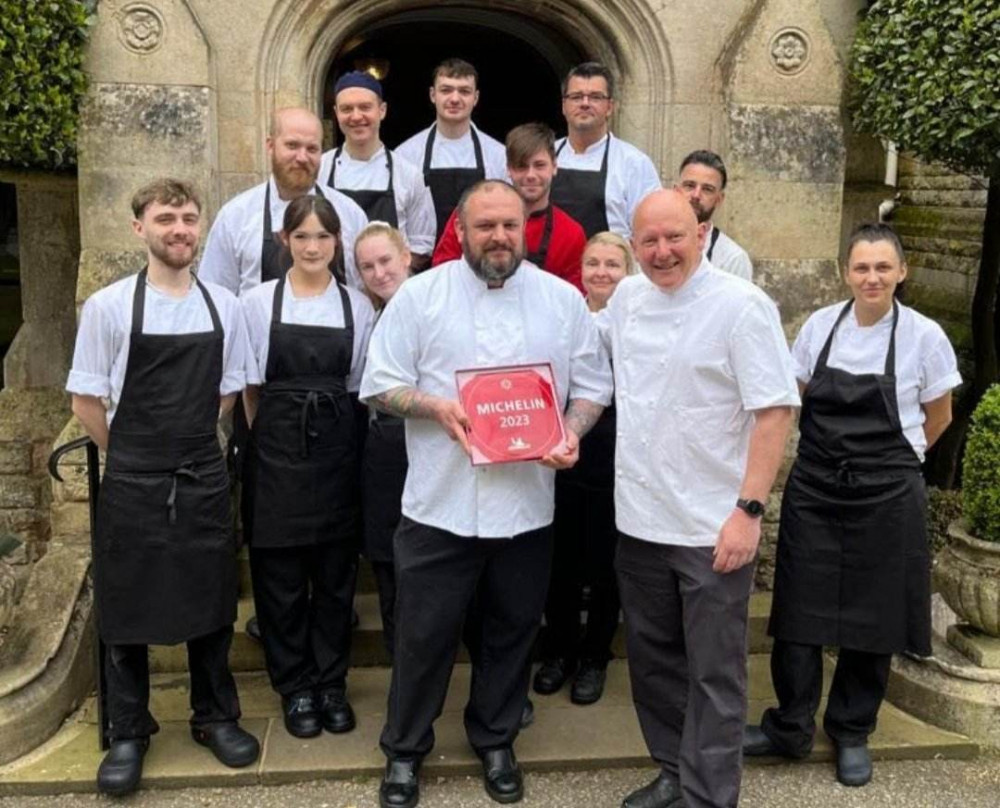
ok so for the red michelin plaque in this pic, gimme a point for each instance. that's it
(514, 412)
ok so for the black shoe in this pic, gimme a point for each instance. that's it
(233, 746)
(121, 769)
(588, 686)
(335, 712)
(527, 714)
(302, 718)
(502, 775)
(663, 792)
(552, 675)
(854, 765)
(757, 744)
(400, 786)
(252, 628)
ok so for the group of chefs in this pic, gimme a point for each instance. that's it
(331, 308)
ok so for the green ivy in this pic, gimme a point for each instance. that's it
(981, 470)
(926, 74)
(41, 80)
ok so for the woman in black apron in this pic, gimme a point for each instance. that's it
(301, 507)
(584, 525)
(383, 262)
(853, 563)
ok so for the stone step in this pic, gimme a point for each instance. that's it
(564, 737)
(367, 648)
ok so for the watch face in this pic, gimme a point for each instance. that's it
(752, 506)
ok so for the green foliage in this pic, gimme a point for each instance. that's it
(981, 470)
(944, 506)
(926, 74)
(8, 544)
(41, 80)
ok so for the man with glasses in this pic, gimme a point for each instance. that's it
(601, 178)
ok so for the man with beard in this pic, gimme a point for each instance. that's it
(158, 356)
(554, 241)
(601, 178)
(243, 249)
(703, 181)
(466, 528)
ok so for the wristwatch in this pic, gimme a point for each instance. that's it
(751, 507)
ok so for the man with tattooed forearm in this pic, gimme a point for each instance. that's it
(468, 530)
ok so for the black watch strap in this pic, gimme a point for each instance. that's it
(751, 507)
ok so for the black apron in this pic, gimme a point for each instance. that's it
(302, 476)
(448, 184)
(711, 243)
(383, 477)
(379, 206)
(853, 563)
(165, 555)
(582, 193)
(537, 257)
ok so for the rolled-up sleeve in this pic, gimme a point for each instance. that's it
(760, 358)
(939, 367)
(236, 351)
(93, 355)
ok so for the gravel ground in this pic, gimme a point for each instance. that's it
(903, 784)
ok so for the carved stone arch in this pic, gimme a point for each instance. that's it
(301, 40)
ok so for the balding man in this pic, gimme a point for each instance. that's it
(466, 528)
(243, 249)
(704, 393)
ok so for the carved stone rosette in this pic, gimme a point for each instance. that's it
(141, 28)
(790, 50)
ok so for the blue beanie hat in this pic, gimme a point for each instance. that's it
(357, 78)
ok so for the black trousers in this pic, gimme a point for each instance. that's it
(437, 576)
(686, 632)
(856, 693)
(585, 543)
(213, 690)
(385, 581)
(304, 599)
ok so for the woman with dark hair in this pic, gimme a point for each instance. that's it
(853, 563)
(308, 335)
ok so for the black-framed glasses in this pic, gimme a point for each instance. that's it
(593, 98)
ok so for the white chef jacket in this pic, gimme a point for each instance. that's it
(232, 252)
(414, 204)
(325, 310)
(926, 367)
(457, 152)
(105, 332)
(446, 320)
(631, 175)
(729, 256)
(691, 366)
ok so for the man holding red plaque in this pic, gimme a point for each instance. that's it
(704, 394)
(523, 338)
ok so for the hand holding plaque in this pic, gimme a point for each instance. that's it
(514, 412)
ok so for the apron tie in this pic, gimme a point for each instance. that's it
(310, 407)
(184, 471)
(845, 474)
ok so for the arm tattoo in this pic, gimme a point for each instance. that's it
(581, 415)
(406, 402)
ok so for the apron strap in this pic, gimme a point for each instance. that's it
(345, 301)
(268, 231)
(825, 353)
(712, 241)
(278, 300)
(477, 148)
(429, 148)
(184, 471)
(543, 247)
(213, 312)
(604, 160)
(890, 356)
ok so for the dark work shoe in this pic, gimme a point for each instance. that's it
(854, 765)
(121, 769)
(588, 686)
(663, 792)
(252, 628)
(527, 714)
(302, 716)
(502, 775)
(552, 675)
(335, 712)
(757, 744)
(400, 786)
(233, 746)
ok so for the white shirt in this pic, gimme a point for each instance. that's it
(728, 256)
(446, 320)
(926, 367)
(232, 252)
(414, 204)
(631, 175)
(456, 152)
(105, 333)
(691, 366)
(325, 310)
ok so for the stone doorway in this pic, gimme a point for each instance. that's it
(520, 60)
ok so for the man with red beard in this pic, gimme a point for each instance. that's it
(158, 356)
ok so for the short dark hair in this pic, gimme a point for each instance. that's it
(591, 70)
(456, 68)
(298, 211)
(875, 231)
(525, 141)
(166, 191)
(704, 157)
(482, 185)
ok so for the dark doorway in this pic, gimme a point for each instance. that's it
(10, 276)
(520, 62)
